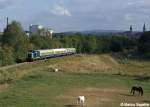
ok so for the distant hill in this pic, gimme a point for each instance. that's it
(94, 31)
(101, 32)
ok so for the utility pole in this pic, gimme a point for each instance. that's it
(7, 23)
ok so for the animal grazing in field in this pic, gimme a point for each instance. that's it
(138, 89)
(56, 70)
(81, 100)
(52, 69)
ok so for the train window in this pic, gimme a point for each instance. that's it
(38, 53)
(34, 54)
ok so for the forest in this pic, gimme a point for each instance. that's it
(15, 44)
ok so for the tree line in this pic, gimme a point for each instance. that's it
(15, 44)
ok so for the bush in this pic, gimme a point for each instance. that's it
(7, 56)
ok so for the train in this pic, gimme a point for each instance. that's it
(49, 53)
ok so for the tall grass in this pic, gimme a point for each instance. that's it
(104, 63)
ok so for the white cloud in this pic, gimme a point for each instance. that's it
(128, 17)
(4, 3)
(60, 10)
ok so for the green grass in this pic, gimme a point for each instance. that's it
(37, 86)
(39, 89)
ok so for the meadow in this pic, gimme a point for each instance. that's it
(104, 80)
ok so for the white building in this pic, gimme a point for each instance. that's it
(34, 29)
(40, 30)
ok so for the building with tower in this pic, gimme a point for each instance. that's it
(131, 29)
(144, 28)
(40, 30)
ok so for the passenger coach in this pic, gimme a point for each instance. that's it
(49, 53)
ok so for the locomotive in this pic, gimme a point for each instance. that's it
(49, 53)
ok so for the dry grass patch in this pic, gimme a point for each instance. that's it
(87, 64)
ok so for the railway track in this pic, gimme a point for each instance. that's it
(14, 65)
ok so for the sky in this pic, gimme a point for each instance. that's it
(77, 15)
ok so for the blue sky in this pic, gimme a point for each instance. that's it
(77, 15)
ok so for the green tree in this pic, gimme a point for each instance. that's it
(15, 37)
(89, 44)
(103, 45)
(1, 51)
(12, 34)
(144, 44)
(116, 44)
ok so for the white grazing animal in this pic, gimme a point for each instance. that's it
(81, 100)
(56, 70)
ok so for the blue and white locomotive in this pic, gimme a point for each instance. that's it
(49, 53)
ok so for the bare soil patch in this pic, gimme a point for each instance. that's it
(3, 87)
(95, 97)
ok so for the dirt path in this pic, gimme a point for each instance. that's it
(3, 87)
(96, 97)
(14, 65)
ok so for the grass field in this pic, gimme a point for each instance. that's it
(104, 80)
